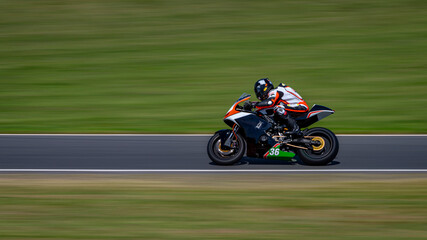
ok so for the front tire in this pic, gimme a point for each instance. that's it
(323, 153)
(226, 157)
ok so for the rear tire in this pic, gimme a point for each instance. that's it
(322, 156)
(226, 157)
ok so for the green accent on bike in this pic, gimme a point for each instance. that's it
(277, 154)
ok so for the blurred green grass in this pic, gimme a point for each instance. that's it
(297, 206)
(176, 66)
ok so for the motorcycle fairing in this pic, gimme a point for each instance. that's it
(277, 154)
(250, 125)
(233, 109)
(316, 113)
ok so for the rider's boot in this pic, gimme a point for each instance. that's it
(281, 116)
(293, 128)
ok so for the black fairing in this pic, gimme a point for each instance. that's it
(252, 127)
(305, 121)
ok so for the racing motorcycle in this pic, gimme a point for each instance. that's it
(259, 136)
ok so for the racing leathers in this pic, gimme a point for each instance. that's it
(285, 103)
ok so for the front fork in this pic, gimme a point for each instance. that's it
(229, 141)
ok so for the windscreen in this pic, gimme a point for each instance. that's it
(243, 96)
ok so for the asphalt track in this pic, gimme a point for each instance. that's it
(184, 152)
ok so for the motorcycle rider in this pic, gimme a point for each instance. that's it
(283, 100)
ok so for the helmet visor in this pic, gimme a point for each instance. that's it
(261, 92)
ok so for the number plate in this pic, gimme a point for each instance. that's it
(276, 153)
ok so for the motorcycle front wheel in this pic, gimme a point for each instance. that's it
(223, 156)
(322, 153)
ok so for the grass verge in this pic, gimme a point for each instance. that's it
(219, 206)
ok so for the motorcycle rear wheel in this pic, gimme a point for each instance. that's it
(323, 153)
(222, 156)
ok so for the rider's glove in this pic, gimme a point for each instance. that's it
(248, 106)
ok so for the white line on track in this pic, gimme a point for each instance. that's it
(212, 170)
(190, 135)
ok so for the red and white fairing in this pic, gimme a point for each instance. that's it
(233, 114)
